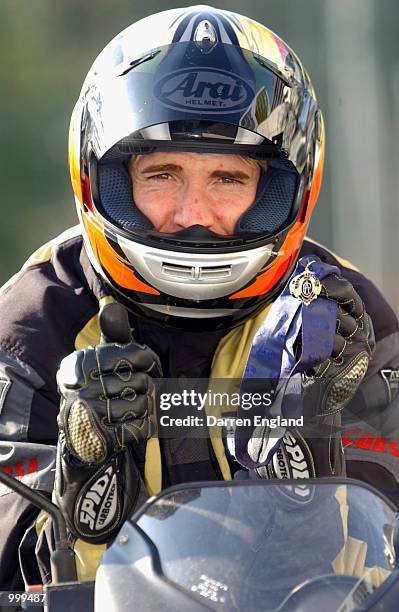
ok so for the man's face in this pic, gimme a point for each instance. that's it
(177, 190)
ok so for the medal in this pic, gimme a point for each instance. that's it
(305, 286)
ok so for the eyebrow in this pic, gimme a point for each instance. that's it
(237, 174)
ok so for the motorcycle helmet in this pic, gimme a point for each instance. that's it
(202, 80)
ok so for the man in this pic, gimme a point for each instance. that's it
(196, 155)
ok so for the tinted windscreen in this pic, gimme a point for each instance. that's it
(248, 547)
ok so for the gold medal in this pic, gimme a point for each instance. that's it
(305, 286)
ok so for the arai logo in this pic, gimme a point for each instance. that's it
(202, 89)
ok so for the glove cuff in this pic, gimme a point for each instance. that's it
(96, 500)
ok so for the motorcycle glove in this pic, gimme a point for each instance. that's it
(316, 449)
(331, 385)
(97, 499)
(107, 399)
(107, 409)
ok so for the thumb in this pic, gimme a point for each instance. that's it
(114, 324)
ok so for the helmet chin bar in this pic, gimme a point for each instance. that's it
(192, 315)
(195, 276)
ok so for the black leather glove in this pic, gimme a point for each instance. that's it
(108, 398)
(107, 405)
(97, 499)
(332, 384)
(316, 449)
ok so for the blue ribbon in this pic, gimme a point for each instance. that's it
(272, 358)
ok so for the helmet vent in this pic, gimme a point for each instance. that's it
(205, 34)
(197, 273)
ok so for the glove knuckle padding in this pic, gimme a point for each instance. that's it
(122, 409)
(142, 383)
(115, 388)
(347, 325)
(339, 376)
(135, 357)
(344, 384)
(340, 290)
(84, 436)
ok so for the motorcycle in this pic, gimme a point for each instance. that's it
(328, 544)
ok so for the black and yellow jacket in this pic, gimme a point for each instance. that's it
(50, 308)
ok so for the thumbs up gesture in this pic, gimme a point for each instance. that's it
(107, 391)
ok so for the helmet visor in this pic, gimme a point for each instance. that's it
(180, 82)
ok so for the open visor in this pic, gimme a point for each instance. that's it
(274, 208)
(181, 82)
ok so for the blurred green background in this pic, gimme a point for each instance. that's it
(350, 48)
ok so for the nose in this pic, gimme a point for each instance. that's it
(193, 207)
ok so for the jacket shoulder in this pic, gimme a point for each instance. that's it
(46, 304)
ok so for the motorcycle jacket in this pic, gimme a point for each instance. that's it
(50, 309)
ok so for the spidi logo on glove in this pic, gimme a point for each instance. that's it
(292, 460)
(98, 506)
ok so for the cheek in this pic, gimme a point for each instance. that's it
(152, 202)
(228, 208)
(232, 206)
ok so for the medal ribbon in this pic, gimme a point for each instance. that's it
(272, 357)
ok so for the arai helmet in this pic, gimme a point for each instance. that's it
(205, 80)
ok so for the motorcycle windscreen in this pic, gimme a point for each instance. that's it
(249, 547)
